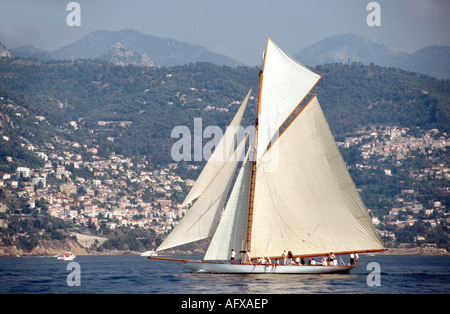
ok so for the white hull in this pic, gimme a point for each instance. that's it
(226, 268)
(70, 258)
(148, 253)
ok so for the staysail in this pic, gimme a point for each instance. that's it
(231, 233)
(285, 83)
(309, 204)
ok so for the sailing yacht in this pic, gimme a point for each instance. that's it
(292, 192)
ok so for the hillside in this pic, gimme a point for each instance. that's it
(100, 136)
(155, 100)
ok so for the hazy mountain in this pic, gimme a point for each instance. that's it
(162, 51)
(347, 48)
(431, 60)
(29, 51)
(121, 55)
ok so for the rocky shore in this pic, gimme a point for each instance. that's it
(429, 251)
(46, 248)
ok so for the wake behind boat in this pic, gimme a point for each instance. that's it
(292, 193)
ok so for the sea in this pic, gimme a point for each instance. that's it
(134, 274)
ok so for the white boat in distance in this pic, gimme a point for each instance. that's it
(293, 194)
(148, 253)
(68, 256)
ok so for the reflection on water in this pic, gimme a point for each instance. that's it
(135, 274)
(270, 283)
(399, 274)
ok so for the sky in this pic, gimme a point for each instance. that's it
(236, 28)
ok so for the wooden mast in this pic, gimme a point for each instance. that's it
(252, 182)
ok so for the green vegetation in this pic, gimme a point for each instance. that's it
(155, 100)
(132, 110)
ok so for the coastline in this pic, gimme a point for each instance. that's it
(54, 248)
(424, 251)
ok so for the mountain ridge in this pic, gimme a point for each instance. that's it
(346, 48)
(431, 60)
(162, 51)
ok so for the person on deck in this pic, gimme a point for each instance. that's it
(248, 258)
(331, 259)
(233, 256)
(290, 256)
(352, 259)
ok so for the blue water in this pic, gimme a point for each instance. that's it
(137, 275)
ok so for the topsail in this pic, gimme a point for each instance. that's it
(284, 84)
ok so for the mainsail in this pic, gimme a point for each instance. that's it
(309, 204)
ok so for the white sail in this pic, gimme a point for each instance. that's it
(297, 196)
(220, 156)
(309, 204)
(201, 220)
(285, 83)
(231, 233)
